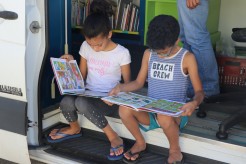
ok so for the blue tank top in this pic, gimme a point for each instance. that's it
(166, 79)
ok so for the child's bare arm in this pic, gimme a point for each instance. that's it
(139, 82)
(190, 65)
(126, 73)
(83, 67)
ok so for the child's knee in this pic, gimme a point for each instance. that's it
(67, 103)
(165, 121)
(81, 105)
(125, 112)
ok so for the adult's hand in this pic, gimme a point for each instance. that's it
(191, 4)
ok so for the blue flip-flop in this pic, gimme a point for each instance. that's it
(116, 157)
(64, 137)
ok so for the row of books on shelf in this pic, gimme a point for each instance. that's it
(80, 10)
(125, 18)
(70, 82)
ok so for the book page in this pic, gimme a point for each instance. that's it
(129, 99)
(68, 76)
(166, 107)
(76, 75)
(95, 94)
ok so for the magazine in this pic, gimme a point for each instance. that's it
(144, 103)
(70, 80)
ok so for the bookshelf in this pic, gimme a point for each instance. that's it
(150, 8)
(128, 27)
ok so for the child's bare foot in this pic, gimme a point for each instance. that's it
(65, 130)
(135, 151)
(175, 156)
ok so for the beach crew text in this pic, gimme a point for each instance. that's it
(162, 71)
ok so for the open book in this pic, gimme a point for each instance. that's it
(70, 80)
(144, 103)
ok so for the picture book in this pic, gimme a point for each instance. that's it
(144, 103)
(70, 80)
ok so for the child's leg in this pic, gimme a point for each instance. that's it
(171, 129)
(131, 120)
(95, 111)
(69, 111)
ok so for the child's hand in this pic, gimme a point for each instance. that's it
(108, 103)
(115, 90)
(188, 108)
(68, 57)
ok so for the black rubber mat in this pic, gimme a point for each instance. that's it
(93, 148)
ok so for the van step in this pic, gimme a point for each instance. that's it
(93, 147)
(96, 151)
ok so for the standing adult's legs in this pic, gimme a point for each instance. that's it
(196, 39)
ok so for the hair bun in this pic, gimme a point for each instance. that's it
(102, 7)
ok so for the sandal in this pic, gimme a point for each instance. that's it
(129, 161)
(116, 157)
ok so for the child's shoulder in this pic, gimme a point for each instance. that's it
(121, 48)
(146, 54)
(84, 44)
(189, 55)
(189, 58)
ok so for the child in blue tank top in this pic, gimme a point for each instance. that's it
(168, 68)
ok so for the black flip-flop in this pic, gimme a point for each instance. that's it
(129, 161)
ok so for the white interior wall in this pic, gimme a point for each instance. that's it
(232, 14)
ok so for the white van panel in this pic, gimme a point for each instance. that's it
(13, 98)
(12, 81)
(16, 28)
(18, 153)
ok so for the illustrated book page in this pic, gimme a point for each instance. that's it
(70, 80)
(68, 76)
(129, 99)
(145, 103)
(166, 107)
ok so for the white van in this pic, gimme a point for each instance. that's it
(32, 31)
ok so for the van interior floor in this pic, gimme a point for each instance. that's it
(93, 146)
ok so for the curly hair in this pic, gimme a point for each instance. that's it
(97, 22)
(163, 31)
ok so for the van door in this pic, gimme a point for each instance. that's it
(13, 101)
